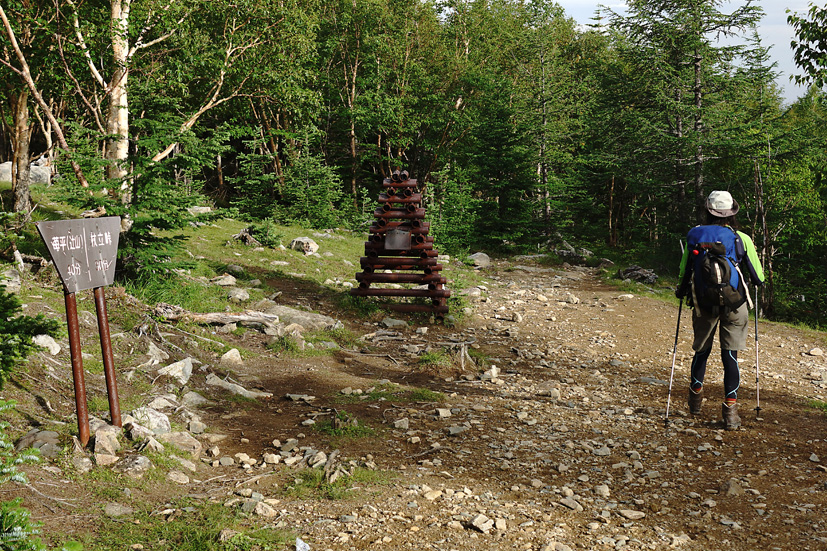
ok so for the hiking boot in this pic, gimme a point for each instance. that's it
(695, 400)
(730, 414)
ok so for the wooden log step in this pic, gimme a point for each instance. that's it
(383, 262)
(401, 278)
(415, 198)
(410, 253)
(416, 226)
(416, 293)
(415, 214)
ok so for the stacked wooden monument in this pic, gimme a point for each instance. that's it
(399, 251)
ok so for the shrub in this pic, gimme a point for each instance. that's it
(16, 333)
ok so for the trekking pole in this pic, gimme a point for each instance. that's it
(674, 355)
(757, 389)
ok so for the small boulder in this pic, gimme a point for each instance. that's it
(480, 260)
(235, 294)
(180, 371)
(48, 343)
(11, 280)
(152, 419)
(304, 244)
(133, 465)
(232, 359)
(183, 441)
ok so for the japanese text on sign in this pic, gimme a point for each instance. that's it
(84, 251)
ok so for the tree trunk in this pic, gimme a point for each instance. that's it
(764, 252)
(700, 197)
(21, 140)
(117, 121)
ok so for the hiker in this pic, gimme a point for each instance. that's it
(714, 269)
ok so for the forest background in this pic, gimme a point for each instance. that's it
(527, 128)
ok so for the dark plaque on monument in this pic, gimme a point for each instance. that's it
(398, 239)
(84, 251)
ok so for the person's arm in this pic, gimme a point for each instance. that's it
(756, 272)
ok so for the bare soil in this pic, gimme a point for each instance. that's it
(566, 447)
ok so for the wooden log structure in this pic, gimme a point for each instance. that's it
(400, 252)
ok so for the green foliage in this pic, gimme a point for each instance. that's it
(284, 344)
(18, 532)
(392, 393)
(11, 226)
(342, 336)
(810, 46)
(306, 191)
(435, 358)
(267, 233)
(344, 425)
(170, 288)
(425, 395)
(480, 358)
(311, 483)
(455, 212)
(196, 529)
(362, 306)
(818, 404)
(16, 333)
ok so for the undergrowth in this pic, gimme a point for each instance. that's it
(192, 527)
(311, 484)
(343, 425)
(391, 393)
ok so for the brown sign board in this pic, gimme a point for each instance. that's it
(84, 251)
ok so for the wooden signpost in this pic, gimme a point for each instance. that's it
(84, 253)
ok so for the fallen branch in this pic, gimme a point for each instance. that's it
(176, 313)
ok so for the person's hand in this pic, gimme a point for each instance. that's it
(679, 292)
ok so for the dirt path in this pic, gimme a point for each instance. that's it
(565, 448)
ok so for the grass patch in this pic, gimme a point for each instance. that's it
(97, 403)
(240, 400)
(192, 527)
(361, 306)
(482, 359)
(284, 345)
(425, 395)
(391, 393)
(343, 425)
(818, 404)
(171, 289)
(345, 338)
(311, 484)
(435, 358)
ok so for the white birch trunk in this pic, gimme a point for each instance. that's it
(117, 121)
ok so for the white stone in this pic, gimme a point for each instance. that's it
(482, 523)
(180, 371)
(224, 281)
(178, 477)
(48, 343)
(156, 353)
(152, 419)
(215, 380)
(231, 358)
(480, 260)
(304, 244)
(235, 294)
